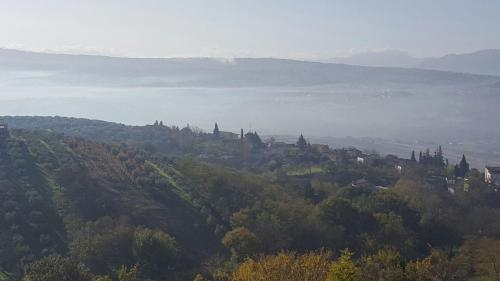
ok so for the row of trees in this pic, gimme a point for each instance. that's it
(426, 158)
(254, 138)
(438, 160)
(475, 260)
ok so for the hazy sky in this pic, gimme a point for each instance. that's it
(262, 28)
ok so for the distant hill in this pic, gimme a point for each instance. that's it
(388, 58)
(58, 69)
(481, 62)
(485, 62)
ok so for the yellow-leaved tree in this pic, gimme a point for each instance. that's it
(286, 266)
(344, 268)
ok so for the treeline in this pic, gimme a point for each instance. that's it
(475, 260)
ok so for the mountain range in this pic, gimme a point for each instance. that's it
(18, 67)
(485, 62)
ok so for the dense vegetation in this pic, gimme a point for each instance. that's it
(90, 200)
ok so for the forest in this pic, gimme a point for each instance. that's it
(86, 200)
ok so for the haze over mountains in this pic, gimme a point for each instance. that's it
(244, 72)
(485, 62)
(407, 106)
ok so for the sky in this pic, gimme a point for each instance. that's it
(250, 28)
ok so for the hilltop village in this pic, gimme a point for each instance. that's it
(305, 160)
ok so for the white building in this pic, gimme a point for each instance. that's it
(360, 160)
(492, 175)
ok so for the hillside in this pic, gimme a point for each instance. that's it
(163, 203)
(165, 139)
(53, 182)
(480, 62)
(59, 188)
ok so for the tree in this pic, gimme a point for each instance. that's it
(420, 158)
(456, 171)
(216, 131)
(57, 268)
(221, 275)
(308, 191)
(241, 241)
(161, 124)
(155, 251)
(439, 157)
(439, 265)
(286, 266)
(242, 136)
(254, 140)
(385, 265)
(439, 151)
(198, 277)
(426, 157)
(302, 143)
(336, 211)
(413, 159)
(102, 245)
(102, 278)
(485, 256)
(419, 270)
(393, 234)
(156, 123)
(463, 167)
(128, 274)
(344, 269)
(448, 268)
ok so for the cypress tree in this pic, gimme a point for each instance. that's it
(439, 157)
(456, 171)
(308, 191)
(439, 151)
(413, 159)
(254, 139)
(257, 139)
(301, 143)
(216, 131)
(463, 166)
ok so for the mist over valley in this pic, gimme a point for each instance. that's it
(275, 97)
